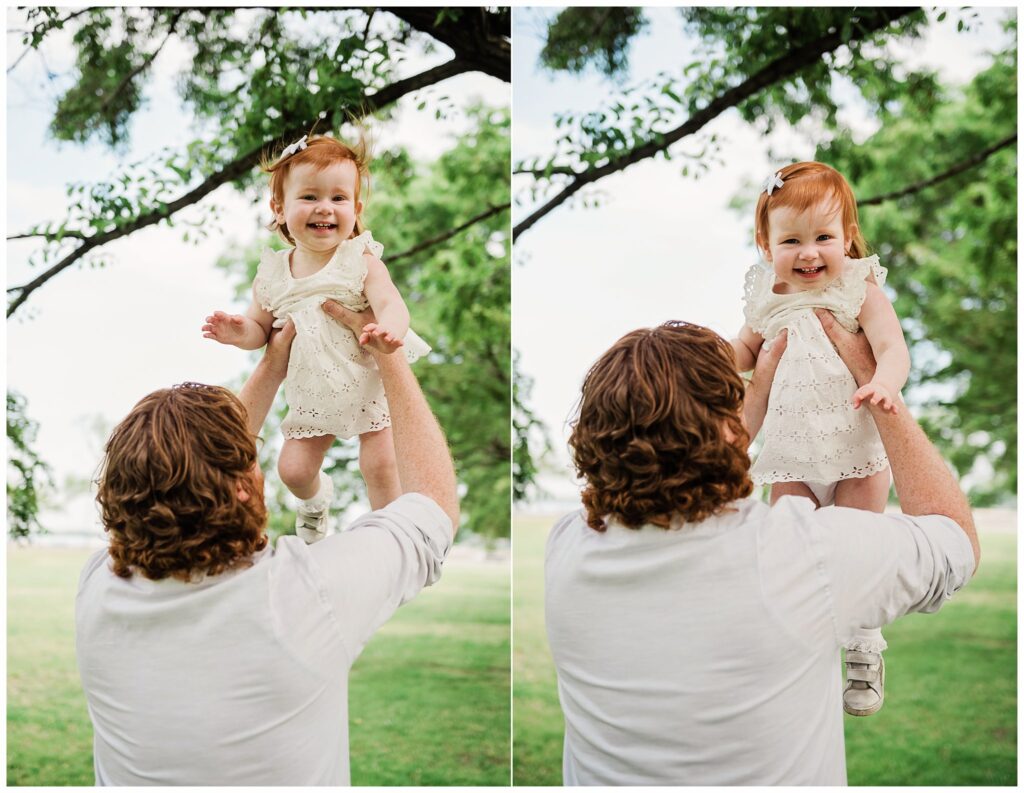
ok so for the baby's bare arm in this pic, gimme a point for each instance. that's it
(882, 328)
(387, 304)
(746, 346)
(247, 331)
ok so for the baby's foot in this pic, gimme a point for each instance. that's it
(313, 517)
(312, 525)
(865, 683)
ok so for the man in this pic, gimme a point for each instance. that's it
(207, 657)
(695, 631)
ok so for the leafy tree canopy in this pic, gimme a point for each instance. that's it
(580, 37)
(255, 78)
(26, 473)
(770, 64)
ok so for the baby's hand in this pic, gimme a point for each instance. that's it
(225, 328)
(380, 338)
(876, 394)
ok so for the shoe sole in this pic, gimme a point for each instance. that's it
(874, 708)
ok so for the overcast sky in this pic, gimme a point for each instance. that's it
(92, 342)
(661, 246)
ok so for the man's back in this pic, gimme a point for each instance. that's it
(709, 654)
(242, 678)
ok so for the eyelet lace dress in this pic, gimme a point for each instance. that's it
(333, 386)
(812, 433)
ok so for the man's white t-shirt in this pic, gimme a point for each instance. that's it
(709, 655)
(242, 678)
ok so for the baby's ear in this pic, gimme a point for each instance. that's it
(762, 246)
(275, 207)
(851, 232)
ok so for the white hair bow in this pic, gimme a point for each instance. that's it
(296, 147)
(772, 182)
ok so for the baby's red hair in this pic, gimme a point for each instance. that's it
(321, 152)
(806, 184)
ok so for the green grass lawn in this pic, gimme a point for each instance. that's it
(950, 716)
(428, 698)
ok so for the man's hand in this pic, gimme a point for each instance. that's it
(364, 325)
(755, 401)
(257, 395)
(225, 328)
(853, 348)
(279, 347)
(876, 394)
(353, 320)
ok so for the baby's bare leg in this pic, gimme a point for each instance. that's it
(300, 462)
(869, 493)
(378, 467)
(780, 489)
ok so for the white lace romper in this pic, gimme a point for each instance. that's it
(332, 386)
(812, 433)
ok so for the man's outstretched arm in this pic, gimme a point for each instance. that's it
(257, 395)
(755, 400)
(424, 462)
(924, 483)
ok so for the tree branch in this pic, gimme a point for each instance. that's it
(554, 170)
(775, 71)
(451, 233)
(145, 63)
(369, 21)
(960, 167)
(48, 236)
(477, 35)
(20, 57)
(57, 26)
(235, 170)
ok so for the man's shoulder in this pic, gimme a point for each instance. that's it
(573, 526)
(569, 525)
(413, 513)
(577, 516)
(841, 531)
(796, 512)
(420, 525)
(97, 564)
(796, 516)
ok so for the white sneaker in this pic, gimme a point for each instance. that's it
(313, 521)
(312, 526)
(865, 683)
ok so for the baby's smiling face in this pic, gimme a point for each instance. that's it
(806, 249)
(320, 206)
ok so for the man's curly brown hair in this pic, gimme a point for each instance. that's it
(659, 434)
(168, 486)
